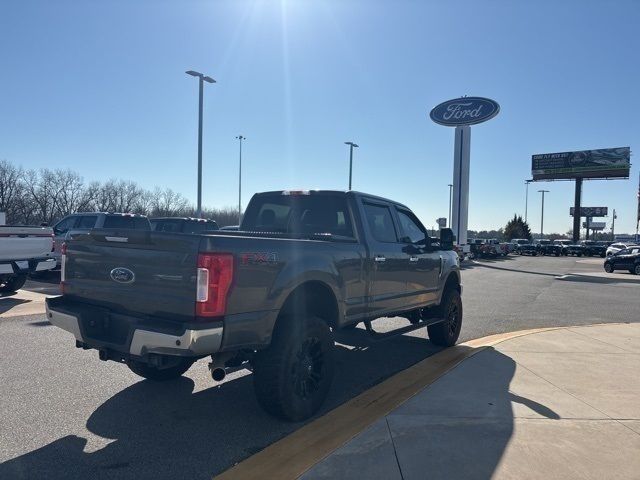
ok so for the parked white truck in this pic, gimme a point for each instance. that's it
(23, 250)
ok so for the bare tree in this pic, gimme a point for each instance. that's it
(165, 203)
(10, 188)
(44, 192)
(72, 196)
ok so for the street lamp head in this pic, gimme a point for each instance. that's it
(193, 73)
(208, 79)
(543, 191)
(352, 144)
(240, 137)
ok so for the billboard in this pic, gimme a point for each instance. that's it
(594, 225)
(603, 163)
(591, 211)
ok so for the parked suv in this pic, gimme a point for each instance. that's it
(625, 259)
(83, 222)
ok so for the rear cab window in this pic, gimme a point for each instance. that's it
(299, 214)
(126, 222)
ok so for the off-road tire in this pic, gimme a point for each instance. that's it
(446, 333)
(160, 374)
(13, 284)
(292, 377)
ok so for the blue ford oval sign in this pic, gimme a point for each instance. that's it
(122, 275)
(465, 111)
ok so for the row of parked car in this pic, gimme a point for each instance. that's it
(482, 248)
(586, 248)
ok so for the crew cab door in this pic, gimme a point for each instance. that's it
(387, 262)
(423, 263)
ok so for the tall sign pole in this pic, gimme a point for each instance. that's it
(461, 165)
(576, 207)
(638, 217)
(462, 113)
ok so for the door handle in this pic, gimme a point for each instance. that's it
(379, 258)
(413, 258)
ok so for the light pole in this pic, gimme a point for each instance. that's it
(202, 78)
(240, 139)
(351, 146)
(542, 217)
(613, 225)
(526, 200)
(450, 198)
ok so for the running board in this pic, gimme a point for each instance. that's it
(378, 337)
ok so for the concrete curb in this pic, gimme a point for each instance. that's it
(293, 455)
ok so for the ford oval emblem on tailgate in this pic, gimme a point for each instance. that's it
(122, 275)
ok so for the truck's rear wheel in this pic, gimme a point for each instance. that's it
(446, 333)
(292, 377)
(14, 283)
(160, 374)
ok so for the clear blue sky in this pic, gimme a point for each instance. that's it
(99, 87)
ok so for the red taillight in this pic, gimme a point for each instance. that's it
(214, 278)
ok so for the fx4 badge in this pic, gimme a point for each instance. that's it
(258, 258)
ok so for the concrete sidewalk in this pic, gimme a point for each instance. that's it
(559, 404)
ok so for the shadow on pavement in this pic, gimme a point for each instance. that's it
(458, 428)
(7, 303)
(166, 430)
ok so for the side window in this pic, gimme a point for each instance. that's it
(635, 251)
(64, 225)
(410, 226)
(380, 223)
(87, 221)
(624, 251)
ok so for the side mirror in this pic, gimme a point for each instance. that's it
(446, 238)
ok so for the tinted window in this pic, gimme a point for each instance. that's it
(64, 225)
(380, 223)
(87, 221)
(635, 251)
(410, 226)
(126, 222)
(306, 214)
(198, 227)
(174, 226)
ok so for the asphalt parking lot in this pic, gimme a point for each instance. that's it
(68, 415)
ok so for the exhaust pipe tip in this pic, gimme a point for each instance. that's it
(218, 374)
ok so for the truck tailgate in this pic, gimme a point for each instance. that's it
(23, 243)
(136, 272)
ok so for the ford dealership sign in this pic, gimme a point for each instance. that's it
(465, 111)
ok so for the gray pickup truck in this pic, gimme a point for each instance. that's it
(270, 296)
